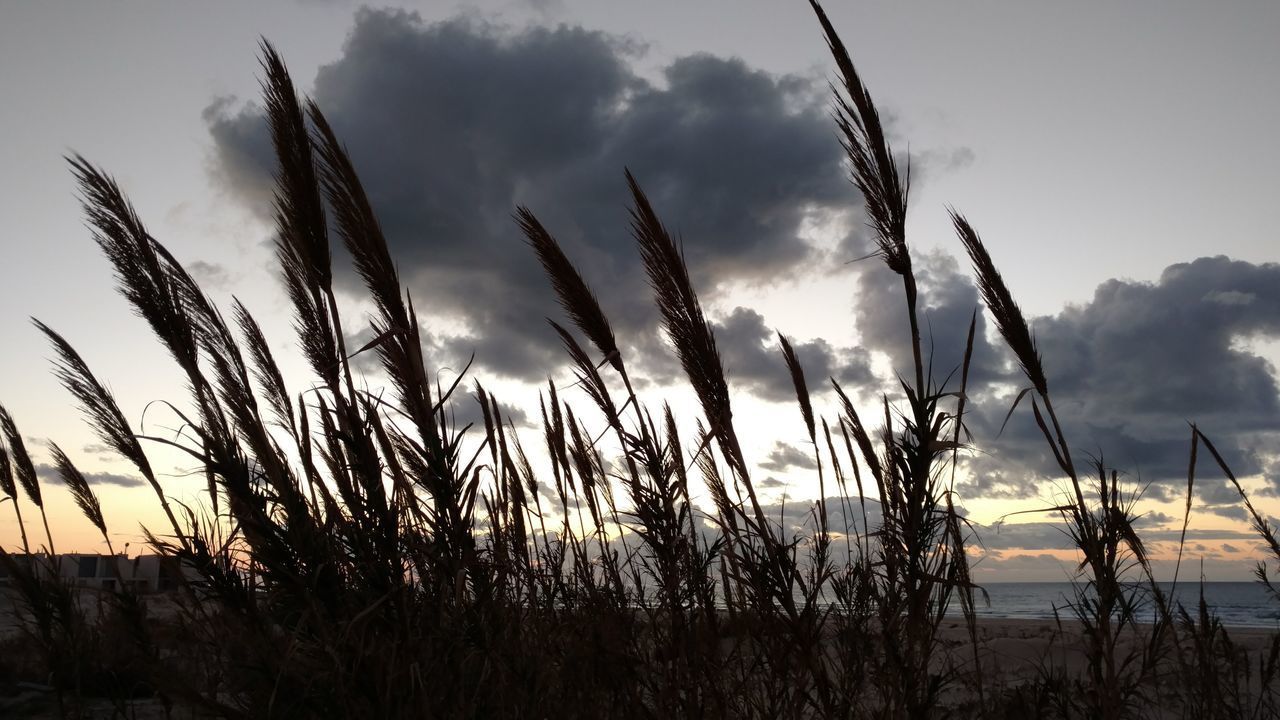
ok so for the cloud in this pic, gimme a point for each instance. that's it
(465, 409)
(785, 457)
(1153, 518)
(210, 276)
(753, 359)
(1192, 532)
(545, 7)
(1025, 536)
(452, 124)
(1130, 368)
(103, 452)
(1053, 535)
(797, 517)
(947, 301)
(1039, 567)
(945, 159)
(1215, 491)
(49, 474)
(1234, 512)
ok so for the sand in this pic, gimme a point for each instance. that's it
(1011, 652)
(1015, 651)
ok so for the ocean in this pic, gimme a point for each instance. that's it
(1237, 604)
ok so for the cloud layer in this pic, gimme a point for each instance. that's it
(1133, 366)
(453, 124)
(49, 474)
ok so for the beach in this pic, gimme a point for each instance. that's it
(1012, 652)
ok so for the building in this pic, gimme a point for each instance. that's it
(101, 572)
(143, 574)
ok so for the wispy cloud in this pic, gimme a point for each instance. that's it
(49, 474)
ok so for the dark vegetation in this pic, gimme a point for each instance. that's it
(362, 555)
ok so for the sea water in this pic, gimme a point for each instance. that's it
(1237, 604)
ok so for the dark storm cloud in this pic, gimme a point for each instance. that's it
(453, 124)
(1130, 368)
(464, 409)
(947, 301)
(242, 163)
(1216, 491)
(753, 359)
(49, 474)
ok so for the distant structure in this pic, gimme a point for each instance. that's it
(101, 572)
(142, 574)
(22, 560)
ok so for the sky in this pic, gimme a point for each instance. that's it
(1119, 161)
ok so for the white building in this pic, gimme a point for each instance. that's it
(102, 572)
(143, 574)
